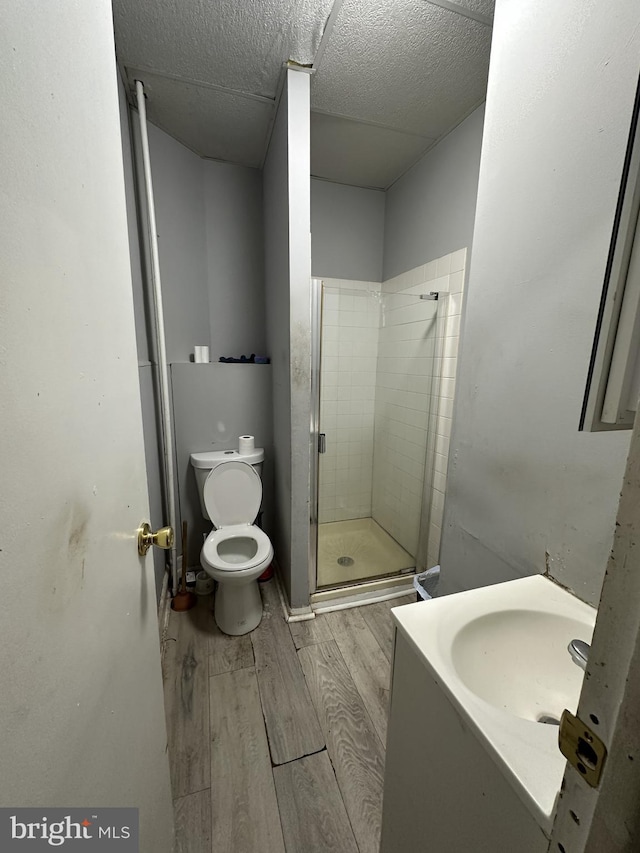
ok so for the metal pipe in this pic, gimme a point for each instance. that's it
(579, 651)
(161, 353)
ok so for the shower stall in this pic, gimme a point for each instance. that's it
(377, 362)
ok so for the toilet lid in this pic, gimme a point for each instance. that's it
(232, 494)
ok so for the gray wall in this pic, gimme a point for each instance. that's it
(430, 210)
(213, 404)
(523, 482)
(347, 231)
(178, 188)
(209, 218)
(235, 261)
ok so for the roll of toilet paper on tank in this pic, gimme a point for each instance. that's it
(246, 445)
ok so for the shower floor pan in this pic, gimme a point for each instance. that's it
(358, 550)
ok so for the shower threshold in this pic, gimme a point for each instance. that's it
(366, 592)
(357, 551)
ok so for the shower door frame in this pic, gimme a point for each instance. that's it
(314, 434)
(316, 309)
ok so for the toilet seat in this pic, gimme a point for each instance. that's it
(232, 562)
(232, 494)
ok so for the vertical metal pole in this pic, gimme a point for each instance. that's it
(161, 354)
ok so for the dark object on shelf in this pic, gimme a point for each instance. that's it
(246, 359)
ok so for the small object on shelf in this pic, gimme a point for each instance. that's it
(201, 355)
(245, 359)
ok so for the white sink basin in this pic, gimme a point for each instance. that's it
(499, 654)
(518, 661)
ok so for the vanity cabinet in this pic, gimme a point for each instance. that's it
(443, 793)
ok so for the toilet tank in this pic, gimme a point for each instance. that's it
(204, 462)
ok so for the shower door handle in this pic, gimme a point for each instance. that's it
(322, 442)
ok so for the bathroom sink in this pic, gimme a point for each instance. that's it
(499, 654)
(517, 660)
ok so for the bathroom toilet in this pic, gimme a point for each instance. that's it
(236, 552)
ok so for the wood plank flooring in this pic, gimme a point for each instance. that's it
(311, 809)
(292, 724)
(355, 750)
(244, 810)
(276, 739)
(366, 663)
(186, 691)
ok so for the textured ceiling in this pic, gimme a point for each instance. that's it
(405, 64)
(237, 44)
(214, 122)
(364, 155)
(390, 76)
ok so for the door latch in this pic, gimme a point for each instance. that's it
(162, 538)
(582, 748)
(322, 442)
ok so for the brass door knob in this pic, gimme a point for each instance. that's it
(162, 538)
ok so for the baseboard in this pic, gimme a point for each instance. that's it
(291, 614)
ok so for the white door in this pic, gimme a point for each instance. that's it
(81, 707)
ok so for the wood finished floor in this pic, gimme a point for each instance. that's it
(276, 739)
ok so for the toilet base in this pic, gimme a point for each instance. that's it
(237, 608)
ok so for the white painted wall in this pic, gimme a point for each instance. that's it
(235, 259)
(523, 481)
(299, 189)
(430, 210)
(347, 231)
(276, 267)
(288, 282)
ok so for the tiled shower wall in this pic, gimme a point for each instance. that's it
(351, 317)
(378, 398)
(408, 398)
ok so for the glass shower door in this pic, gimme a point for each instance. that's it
(376, 357)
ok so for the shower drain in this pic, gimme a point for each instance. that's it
(345, 561)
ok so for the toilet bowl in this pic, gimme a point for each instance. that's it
(236, 552)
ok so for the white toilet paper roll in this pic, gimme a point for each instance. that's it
(246, 445)
(200, 354)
